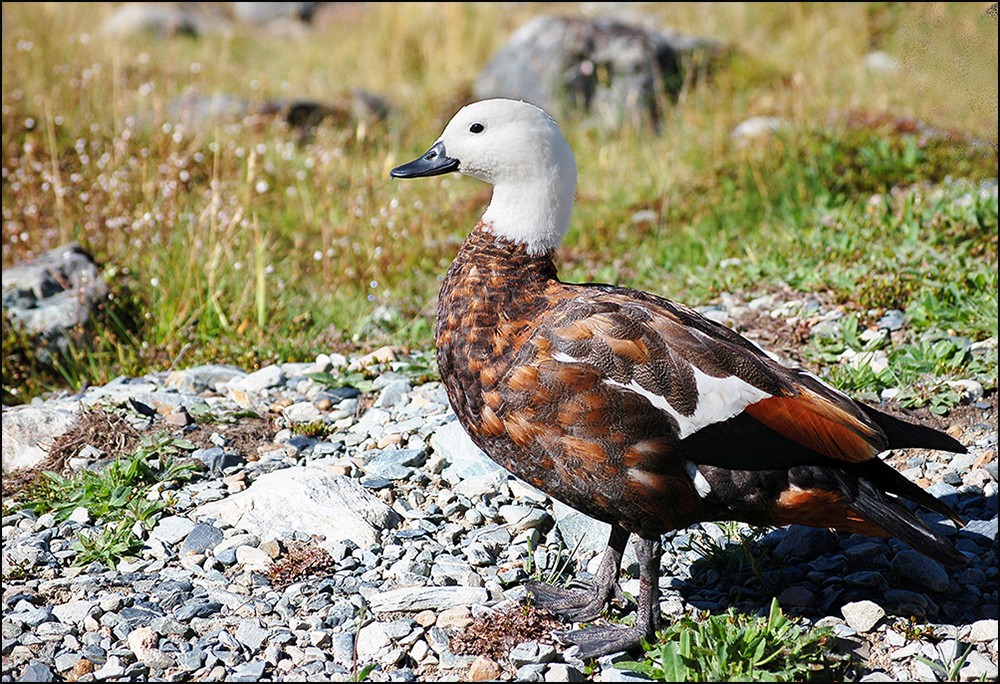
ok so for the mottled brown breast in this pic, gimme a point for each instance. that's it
(505, 327)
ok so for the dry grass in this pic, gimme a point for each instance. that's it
(248, 247)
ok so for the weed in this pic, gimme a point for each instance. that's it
(557, 571)
(301, 561)
(733, 553)
(951, 667)
(733, 647)
(315, 428)
(115, 495)
(495, 633)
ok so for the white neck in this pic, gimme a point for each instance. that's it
(533, 211)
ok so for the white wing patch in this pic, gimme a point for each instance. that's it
(701, 485)
(719, 399)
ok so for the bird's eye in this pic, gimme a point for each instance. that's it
(477, 128)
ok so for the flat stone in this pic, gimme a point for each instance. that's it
(561, 672)
(412, 599)
(73, 612)
(28, 432)
(251, 634)
(529, 652)
(172, 529)
(862, 615)
(521, 518)
(983, 630)
(978, 668)
(915, 567)
(332, 507)
(200, 539)
(258, 381)
(37, 672)
(252, 558)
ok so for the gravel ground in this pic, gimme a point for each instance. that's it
(420, 535)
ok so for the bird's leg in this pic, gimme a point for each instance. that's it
(580, 605)
(597, 641)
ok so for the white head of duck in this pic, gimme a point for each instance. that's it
(518, 149)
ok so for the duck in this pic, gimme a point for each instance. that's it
(629, 407)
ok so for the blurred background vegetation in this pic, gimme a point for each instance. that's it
(247, 244)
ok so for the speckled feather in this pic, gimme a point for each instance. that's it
(539, 372)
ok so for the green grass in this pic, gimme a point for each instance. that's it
(736, 647)
(242, 246)
(114, 496)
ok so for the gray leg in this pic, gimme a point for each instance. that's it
(597, 641)
(582, 605)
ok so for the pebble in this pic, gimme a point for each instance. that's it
(431, 532)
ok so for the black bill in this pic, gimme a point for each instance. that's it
(434, 162)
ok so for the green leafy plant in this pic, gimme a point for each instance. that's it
(733, 647)
(314, 428)
(114, 495)
(734, 553)
(951, 667)
(559, 571)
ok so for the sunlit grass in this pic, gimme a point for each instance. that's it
(238, 244)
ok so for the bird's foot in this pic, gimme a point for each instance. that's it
(594, 642)
(577, 605)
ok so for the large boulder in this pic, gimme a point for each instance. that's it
(163, 20)
(611, 71)
(29, 432)
(54, 294)
(357, 110)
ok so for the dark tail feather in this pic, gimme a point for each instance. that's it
(902, 435)
(891, 515)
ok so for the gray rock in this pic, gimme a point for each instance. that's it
(28, 432)
(797, 595)
(918, 568)
(217, 459)
(529, 652)
(260, 380)
(200, 112)
(200, 378)
(983, 630)
(892, 320)
(561, 672)
(302, 412)
(393, 393)
(330, 506)
(452, 444)
(800, 541)
(37, 672)
(251, 634)
(978, 668)
(983, 528)
(412, 599)
(263, 12)
(532, 672)
(201, 609)
(200, 539)
(159, 20)
(172, 529)
(248, 672)
(580, 531)
(755, 128)
(611, 71)
(521, 518)
(73, 612)
(53, 294)
(862, 615)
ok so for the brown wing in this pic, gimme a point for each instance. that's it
(700, 376)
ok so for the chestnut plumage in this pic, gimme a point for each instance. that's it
(632, 408)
